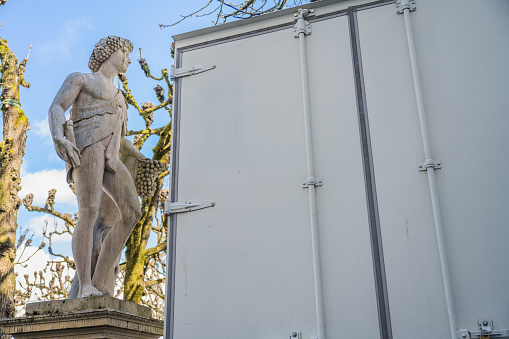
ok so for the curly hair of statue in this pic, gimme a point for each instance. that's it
(106, 47)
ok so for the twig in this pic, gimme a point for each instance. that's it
(186, 16)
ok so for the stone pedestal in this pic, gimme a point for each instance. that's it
(98, 317)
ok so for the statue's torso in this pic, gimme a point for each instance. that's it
(104, 115)
(95, 90)
(99, 111)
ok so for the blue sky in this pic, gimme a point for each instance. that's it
(62, 35)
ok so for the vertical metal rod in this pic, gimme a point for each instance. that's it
(315, 243)
(444, 262)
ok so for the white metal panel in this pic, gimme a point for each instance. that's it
(347, 269)
(244, 265)
(463, 59)
(414, 280)
(465, 87)
(246, 26)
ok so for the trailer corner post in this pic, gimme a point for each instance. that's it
(303, 28)
(405, 7)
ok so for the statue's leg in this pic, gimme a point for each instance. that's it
(88, 179)
(109, 217)
(75, 287)
(120, 187)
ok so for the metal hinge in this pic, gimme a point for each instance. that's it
(401, 5)
(486, 330)
(184, 72)
(498, 334)
(312, 181)
(186, 206)
(302, 26)
(423, 166)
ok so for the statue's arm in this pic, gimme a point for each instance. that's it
(56, 117)
(128, 149)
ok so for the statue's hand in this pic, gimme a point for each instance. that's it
(67, 151)
(128, 149)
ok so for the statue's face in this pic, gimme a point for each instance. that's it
(120, 59)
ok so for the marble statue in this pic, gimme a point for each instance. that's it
(90, 144)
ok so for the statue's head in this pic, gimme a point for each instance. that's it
(106, 47)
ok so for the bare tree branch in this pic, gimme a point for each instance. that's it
(183, 16)
(239, 10)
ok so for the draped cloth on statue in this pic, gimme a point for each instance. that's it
(96, 122)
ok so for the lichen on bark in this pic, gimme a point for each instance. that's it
(139, 258)
(12, 149)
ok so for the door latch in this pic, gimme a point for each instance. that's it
(186, 206)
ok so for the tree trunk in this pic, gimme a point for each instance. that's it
(12, 149)
(135, 254)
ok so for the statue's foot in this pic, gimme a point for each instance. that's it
(88, 291)
(100, 286)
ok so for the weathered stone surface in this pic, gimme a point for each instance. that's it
(89, 143)
(111, 318)
(86, 304)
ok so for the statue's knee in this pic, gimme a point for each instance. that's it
(137, 213)
(134, 213)
(89, 210)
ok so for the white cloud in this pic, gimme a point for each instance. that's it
(24, 167)
(67, 37)
(66, 237)
(39, 183)
(37, 224)
(41, 130)
(34, 264)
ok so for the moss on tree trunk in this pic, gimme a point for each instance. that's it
(12, 149)
(136, 254)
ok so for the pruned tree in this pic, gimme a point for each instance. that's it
(58, 285)
(142, 275)
(12, 149)
(141, 261)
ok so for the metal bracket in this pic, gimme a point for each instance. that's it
(464, 334)
(186, 206)
(312, 181)
(184, 72)
(423, 166)
(401, 5)
(302, 26)
(486, 326)
(295, 335)
(499, 334)
(487, 330)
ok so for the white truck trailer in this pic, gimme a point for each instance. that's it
(342, 172)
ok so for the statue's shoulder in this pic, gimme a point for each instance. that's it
(78, 78)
